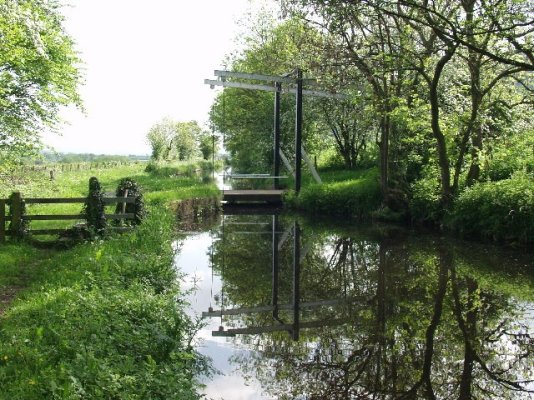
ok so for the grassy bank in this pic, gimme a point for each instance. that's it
(103, 319)
(342, 193)
(500, 211)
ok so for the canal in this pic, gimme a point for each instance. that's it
(296, 308)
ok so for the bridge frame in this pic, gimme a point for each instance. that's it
(276, 87)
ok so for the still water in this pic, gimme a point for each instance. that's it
(300, 309)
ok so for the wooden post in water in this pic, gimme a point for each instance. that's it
(2, 220)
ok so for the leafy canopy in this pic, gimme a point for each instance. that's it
(172, 140)
(39, 73)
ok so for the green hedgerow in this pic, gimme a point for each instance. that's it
(502, 210)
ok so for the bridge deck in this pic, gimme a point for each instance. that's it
(253, 196)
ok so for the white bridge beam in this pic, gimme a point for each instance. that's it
(268, 88)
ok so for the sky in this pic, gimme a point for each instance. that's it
(143, 61)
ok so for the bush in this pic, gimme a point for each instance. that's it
(502, 210)
(152, 166)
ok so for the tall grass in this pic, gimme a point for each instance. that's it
(103, 320)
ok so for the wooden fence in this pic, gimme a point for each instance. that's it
(16, 216)
(73, 166)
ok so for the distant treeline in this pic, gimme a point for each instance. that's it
(67, 158)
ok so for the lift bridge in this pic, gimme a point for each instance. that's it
(294, 84)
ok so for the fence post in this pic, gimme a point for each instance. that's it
(124, 204)
(2, 220)
(16, 213)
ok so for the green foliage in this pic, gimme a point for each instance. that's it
(514, 153)
(94, 208)
(502, 210)
(137, 208)
(208, 145)
(38, 74)
(449, 100)
(356, 197)
(425, 202)
(172, 140)
(102, 321)
(20, 231)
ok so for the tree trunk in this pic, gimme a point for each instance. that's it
(385, 128)
(441, 144)
(474, 61)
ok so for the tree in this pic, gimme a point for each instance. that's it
(246, 117)
(184, 143)
(159, 137)
(367, 46)
(438, 66)
(171, 140)
(38, 73)
(208, 144)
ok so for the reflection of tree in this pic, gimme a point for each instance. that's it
(242, 256)
(492, 352)
(418, 323)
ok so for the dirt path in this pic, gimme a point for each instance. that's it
(10, 291)
(7, 294)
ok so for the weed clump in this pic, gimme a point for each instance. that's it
(94, 207)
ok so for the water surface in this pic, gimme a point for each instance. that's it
(297, 309)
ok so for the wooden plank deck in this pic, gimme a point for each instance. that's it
(253, 196)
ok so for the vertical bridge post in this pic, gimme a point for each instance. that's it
(277, 93)
(298, 133)
(275, 267)
(296, 282)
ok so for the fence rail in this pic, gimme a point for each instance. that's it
(16, 217)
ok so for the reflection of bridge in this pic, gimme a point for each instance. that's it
(296, 306)
(274, 309)
(291, 328)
